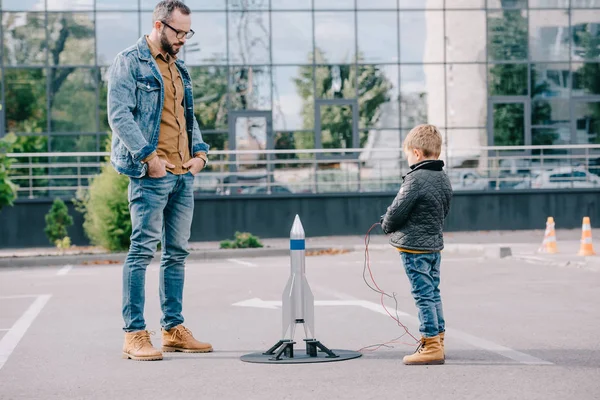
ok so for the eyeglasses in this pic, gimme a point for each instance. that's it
(180, 34)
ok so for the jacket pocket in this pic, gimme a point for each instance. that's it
(147, 96)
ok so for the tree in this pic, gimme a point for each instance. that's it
(57, 222)
(8, 190)
(333, 81)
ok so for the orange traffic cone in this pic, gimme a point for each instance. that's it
(549, 243)
(586, 248)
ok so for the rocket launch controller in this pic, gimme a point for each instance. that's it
(298, 307)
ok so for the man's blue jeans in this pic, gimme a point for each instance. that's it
(423, 271)
(161, 211)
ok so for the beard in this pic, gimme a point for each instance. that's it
(168, 46)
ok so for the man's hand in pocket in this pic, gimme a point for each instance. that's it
(195, 165)
(157, 167)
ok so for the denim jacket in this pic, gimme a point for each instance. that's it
(135, 104)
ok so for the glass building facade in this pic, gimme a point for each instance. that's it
(318, 73)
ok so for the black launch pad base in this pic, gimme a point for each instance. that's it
(283, 353)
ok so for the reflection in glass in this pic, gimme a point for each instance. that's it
(421, 39)
(585, 3)
(244, 5)
(465, 36)
(70, 5)
(421, 4)
(334, 36)
(335, 81)
(23, 5)
(250, 88)
(114, 32)
(292, 37)
(73, 102)
(378, 96)
(550, 136)
(196, 5)
(585, 28)
(293, 107)
(586, 79)
(73, 143)
(550, 93)
(509, 124)
(291, 4)
(71, 39)
(422, 96)
(587, 122)
(507, 35)
(209, 44)
(210, 96)
(334, 4)
(336, 126)
(24, 38)
(508, 79)
(506, 4)
(249, 38)
(216, 141)
(549, 3)
(116, 5)
(377, 4)
(25, 100)
(467, 94)
(102, 79)
(465, 4)
(377, 39)
(548, 35)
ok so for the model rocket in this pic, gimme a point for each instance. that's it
(298, 301)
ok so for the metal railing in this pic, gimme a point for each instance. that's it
(255, 172)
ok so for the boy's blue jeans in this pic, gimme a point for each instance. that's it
(423, 271)
(161, 211)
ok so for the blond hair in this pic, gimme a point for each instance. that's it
(426, 138)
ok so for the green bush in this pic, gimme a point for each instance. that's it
(57, 222)
(107, 222)
(8, 190)
(242, 240)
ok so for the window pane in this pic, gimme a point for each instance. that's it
(248, 4)
(205, 5)
(465, 32)
(250, 88)
(72, 143)
(422, 96)
(70, 5)
(115, 32)
(71, 39)
(336, 126)
(507, 35)
(549, 35)
(377, 37)
(509, 124)
(334, 36)
(586, 79)
(148, 5)
(24, 38)
(587, 120)
(508, 79)
(334, 4)
(550, 136)
(209, 44)
(467, 95)
(465, 4)
(550, 93)
(378, 96)
(585, 26)
(116, 5)
(336, 81)
(210, 96)
(291, 4)
(102, 80)
(25, 100)
(293, 98)
(73, 100)
(585, 3)
(421, 39)
(458, 141)
(23, 5)
(249, 38)
(507, 4)
(292, 37)
(377, 4)
(548, 3)
(217, 141)
(421, 4)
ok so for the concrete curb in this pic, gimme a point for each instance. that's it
(475, 250)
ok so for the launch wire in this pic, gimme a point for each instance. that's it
(383, 294)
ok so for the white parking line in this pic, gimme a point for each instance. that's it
(465, 337)
(240, 262)
(12, 338)
(18, 296)
(64, 270)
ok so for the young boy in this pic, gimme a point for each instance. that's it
(415, 220)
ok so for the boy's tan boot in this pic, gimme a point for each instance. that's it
(442, 334)
(180, 338)
(137, 346)
(429, 352)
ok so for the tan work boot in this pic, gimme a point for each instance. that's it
(429, 352)
(138, 346)
(442, 334)
(180, 338)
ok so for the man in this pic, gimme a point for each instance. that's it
(157, 143)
